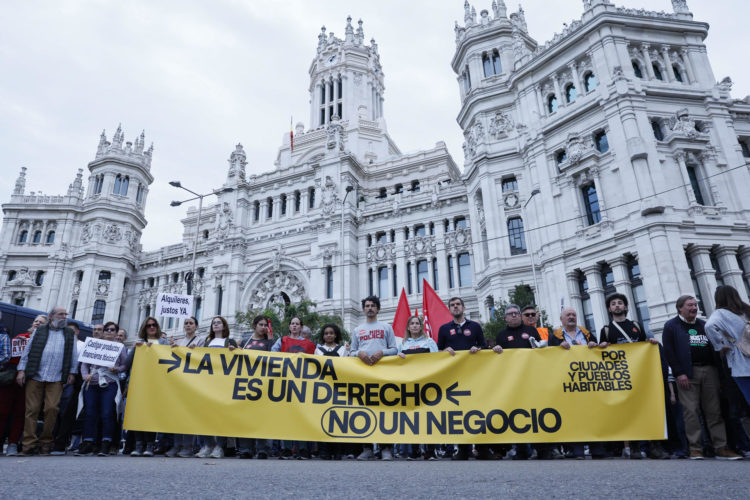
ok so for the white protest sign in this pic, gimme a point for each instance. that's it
(174, 305)
(18, 344)
(100, 352)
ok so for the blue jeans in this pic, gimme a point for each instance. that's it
(744, 384)
(100, 403)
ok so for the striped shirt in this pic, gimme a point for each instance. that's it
(50, 366)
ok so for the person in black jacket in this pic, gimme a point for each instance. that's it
(691, 356)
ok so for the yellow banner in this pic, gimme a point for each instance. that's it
(522, 395)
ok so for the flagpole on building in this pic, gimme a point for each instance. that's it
(349, 189)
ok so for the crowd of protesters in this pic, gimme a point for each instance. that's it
(52, 405)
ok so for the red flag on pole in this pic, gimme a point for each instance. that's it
(435, 312)
(291, 134)
(402, 315)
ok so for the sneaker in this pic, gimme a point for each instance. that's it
(460, 455)
(149, 452)
(286, 455)
(185, 453)
(430, 455)
(204, 452)
(696, 455)
(304, 455)
(85, 450)
(245, 455)
(262, 456)
(727, 454)
(366, 454)
(386, 454)
(657, 452)
(172, 452)
(138, 451)
(626, 452)
(104, 449)
(636, 455)
(12, 450)
(218, 452)
(745, 453)
(45, 450)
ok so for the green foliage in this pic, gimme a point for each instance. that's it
(520, 296)
(305, 310)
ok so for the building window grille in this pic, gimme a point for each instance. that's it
(516, 236)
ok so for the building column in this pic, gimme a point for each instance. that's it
(705, 274)
(391, 279)
(596, 292)
(558, 92)
(667, 63)
(649, 63)
(599, 193)
(622, 284)
(302, 201)
(732, 274)
(580, 86)
(688, 65)
(744, 255)
(263, 210)
(442, 258)
(540, 101)
(574, 293)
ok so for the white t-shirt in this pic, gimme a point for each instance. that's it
(217, 343)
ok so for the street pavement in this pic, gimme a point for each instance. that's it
(126, 477)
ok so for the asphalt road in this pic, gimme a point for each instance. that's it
(126, 477)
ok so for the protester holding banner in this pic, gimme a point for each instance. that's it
(100, 388)
(330, 337)
(571, 333)
(218, 336)
(258, 342)
(463, 334)
(149, 333)
(728, 328)
(530, 316)
(294, 342)
(416, 341)
(370, 342)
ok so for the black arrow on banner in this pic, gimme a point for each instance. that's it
(451, 393)
(175, 362)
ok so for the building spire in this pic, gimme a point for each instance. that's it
(20, 182)
(349, 31)
(360, 33)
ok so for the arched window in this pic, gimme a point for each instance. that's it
(205, 234)
(510, 184)
(23, 236)
(50, 237)
(383, 193)
(98, 315)
(269, 207)
(601, 142)
(464, 270)
(422, 274)
(491, 63)
(467, 80)
(658, 132)
(311, 198)
(552, 103)
(383, 281)
(39, 278)
(256, 211)
(657, 72)
(637, 69)
(98, 183)
(561, 156)
(297, 201)
(590, 81)
(37, 237)
(516, 236)
(460, 222)
(283, 204)
(118, 183)
(12, 275)
(398, 189)
(570, 93)
(414, 186)
(151, 282)
(487, 65)
(175, 277)
(677, 73)
(139, 194)
(124, 186)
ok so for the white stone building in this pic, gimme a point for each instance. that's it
(608, 158)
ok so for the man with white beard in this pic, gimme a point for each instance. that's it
(48, 361)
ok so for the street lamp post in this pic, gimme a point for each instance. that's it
(349, 189)
(198, 197)
(531, 249)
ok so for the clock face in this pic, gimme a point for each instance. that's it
(332, 60)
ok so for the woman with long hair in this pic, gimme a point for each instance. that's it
(725, 329)
(416, 341)
(184, 443)
(100, 386)
(149, 333)
(294, 342)
(218, 336)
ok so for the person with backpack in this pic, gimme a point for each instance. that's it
(330, 337)
(728, 329)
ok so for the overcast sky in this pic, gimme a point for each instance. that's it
(201, 76)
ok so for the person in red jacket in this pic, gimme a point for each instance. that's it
(12, 396)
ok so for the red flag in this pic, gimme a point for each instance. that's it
(435, 312)
(402, 314)
(270, 329)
